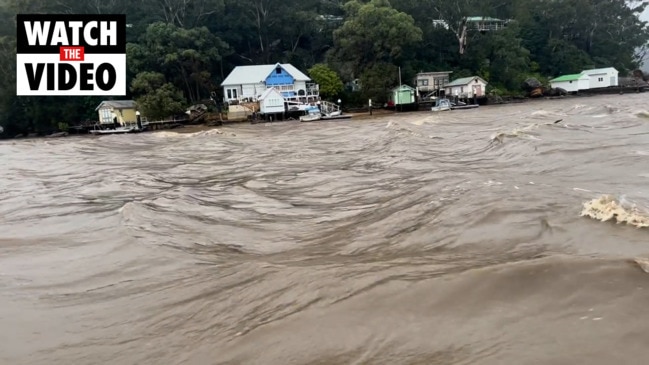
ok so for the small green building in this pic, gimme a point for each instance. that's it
(403, 95)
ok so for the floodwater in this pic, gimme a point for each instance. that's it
(488, 236)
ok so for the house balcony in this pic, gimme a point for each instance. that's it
(431, 87)
(426, 88)
(312, 89)
(485, 24)
(282, 87)
(289, 91)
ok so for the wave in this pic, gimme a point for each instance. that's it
(643, 263)
(205, 133)
(191, 239)
(607, 208)
(397, 127)
(524, 132)
(643, 114)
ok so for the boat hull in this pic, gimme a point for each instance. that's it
(310, 118)
(333, 116)
(114, 131)
(461, 107)
(336, 117)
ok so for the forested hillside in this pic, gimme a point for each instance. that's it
(180, 50)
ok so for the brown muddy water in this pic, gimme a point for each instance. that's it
(419, 238)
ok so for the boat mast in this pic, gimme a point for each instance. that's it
(399, 92)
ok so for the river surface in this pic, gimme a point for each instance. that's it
(462, 237)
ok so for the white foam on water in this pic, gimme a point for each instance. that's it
(607, 208)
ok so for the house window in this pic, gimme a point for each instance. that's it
(600, 79)
(278, 70)
(106, 116)
(440, 82)
(232, 93)
(422, 82)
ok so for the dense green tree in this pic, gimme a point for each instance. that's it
(374, 34)
(329, 82)
(157, 98)
(500, 58)
(377, 79)
(269, 31)
(186, 57)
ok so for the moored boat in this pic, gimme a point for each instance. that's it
(441, 105)
(460, 105)
(312, 113)
(118, 130)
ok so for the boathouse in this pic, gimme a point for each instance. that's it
(122, 111)
(602, 77)
(466, 87)
(271, 102)
(403, 95)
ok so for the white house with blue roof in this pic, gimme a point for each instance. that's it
(251, 82)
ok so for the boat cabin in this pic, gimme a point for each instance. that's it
(441, 104)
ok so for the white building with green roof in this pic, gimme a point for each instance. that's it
(571, 83)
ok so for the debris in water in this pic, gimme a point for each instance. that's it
(606, 208)
(643, 263)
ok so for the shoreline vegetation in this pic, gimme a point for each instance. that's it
(178, 53)
(356, 116)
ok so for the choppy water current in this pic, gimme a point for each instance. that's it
(464, 237)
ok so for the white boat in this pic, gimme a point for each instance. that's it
(118, 130)
(441, 105)
(461, 105)
(313, 113)
(323, 111)
(292, 106)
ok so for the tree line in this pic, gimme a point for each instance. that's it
(179, 51)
